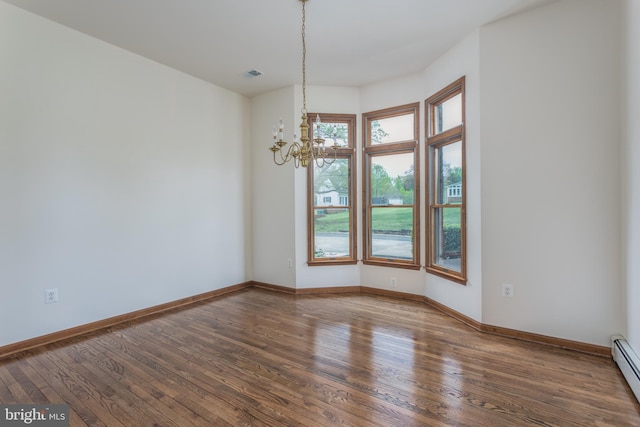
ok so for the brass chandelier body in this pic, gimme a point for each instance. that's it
(307, 150)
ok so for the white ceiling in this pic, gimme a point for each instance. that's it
(349, 42)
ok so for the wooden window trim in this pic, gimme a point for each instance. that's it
(388, 113)
(396, 147)
(437, 141)
(438, 98)
(347, 152)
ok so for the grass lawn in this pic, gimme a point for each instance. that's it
(333, 222)
(390, 219)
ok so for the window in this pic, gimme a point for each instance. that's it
(331, 215)
(391, 183)
(446, 177)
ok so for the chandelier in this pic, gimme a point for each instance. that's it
(306, 150)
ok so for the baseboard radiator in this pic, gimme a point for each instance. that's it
(627, 361)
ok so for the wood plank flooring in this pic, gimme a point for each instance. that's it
(261, 358)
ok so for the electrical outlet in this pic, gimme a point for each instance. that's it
(289, 262)
(394, 283)
(507, 290)
(51, 295)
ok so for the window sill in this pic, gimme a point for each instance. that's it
(447, 274)
(392, 263)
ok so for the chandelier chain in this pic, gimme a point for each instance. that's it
(304, 59)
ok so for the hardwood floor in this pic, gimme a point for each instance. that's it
(261, 358)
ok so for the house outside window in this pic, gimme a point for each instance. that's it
(454, 192)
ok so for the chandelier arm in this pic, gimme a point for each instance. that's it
(321, 158)
(294, 151)
(275, 160)
(291, 153)
(287, 156)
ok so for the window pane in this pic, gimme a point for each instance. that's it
(448, 164)
(392, 179)
(333, 133)
(447, 238)
(331, 184)
(392, 232)
(392, 129)
(331, 228)
(448, 114)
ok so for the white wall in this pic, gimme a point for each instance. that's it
(550, 161)
(463, 60)
(119, 180)
(272, 190)
(631, 169)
